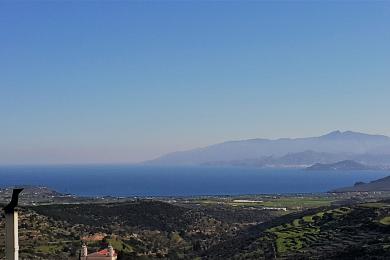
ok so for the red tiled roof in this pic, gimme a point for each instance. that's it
(103, 252)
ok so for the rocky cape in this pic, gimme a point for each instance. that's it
(347, 165)
(382, 184)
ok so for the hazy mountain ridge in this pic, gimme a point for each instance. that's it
(287, 152)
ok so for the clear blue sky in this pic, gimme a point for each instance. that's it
(102, 81)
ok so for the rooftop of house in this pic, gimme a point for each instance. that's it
(101, 253)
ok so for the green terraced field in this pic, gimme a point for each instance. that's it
(385, 220)
(291, 203)
(292, 237)
(296, 202)
(314, 230)
(376, 205)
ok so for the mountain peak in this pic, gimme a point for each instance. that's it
(333, 133)
(347, 134)
(334, 143)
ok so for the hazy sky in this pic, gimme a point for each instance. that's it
(116, 81)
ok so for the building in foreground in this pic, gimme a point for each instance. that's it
(105, 254)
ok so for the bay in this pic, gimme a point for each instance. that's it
(131, 180)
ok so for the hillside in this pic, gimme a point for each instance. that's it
(139, 229)
(377, 185)
(350, 232)
(329, 148)
(244, 227)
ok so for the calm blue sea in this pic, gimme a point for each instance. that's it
(179, 181)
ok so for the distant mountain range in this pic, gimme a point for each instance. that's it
(288, 152)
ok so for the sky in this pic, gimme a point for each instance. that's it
(126, 81)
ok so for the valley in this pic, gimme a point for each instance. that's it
(204, 227)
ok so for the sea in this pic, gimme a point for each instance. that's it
(145, 181)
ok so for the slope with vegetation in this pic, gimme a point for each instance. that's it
(243, 227)
(353, 232)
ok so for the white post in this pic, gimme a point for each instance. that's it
(11, 236)
(84, 252)
(110, 251)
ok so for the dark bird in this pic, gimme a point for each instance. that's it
(14, 201)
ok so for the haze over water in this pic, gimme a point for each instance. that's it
(121, 180)
(109, 82)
